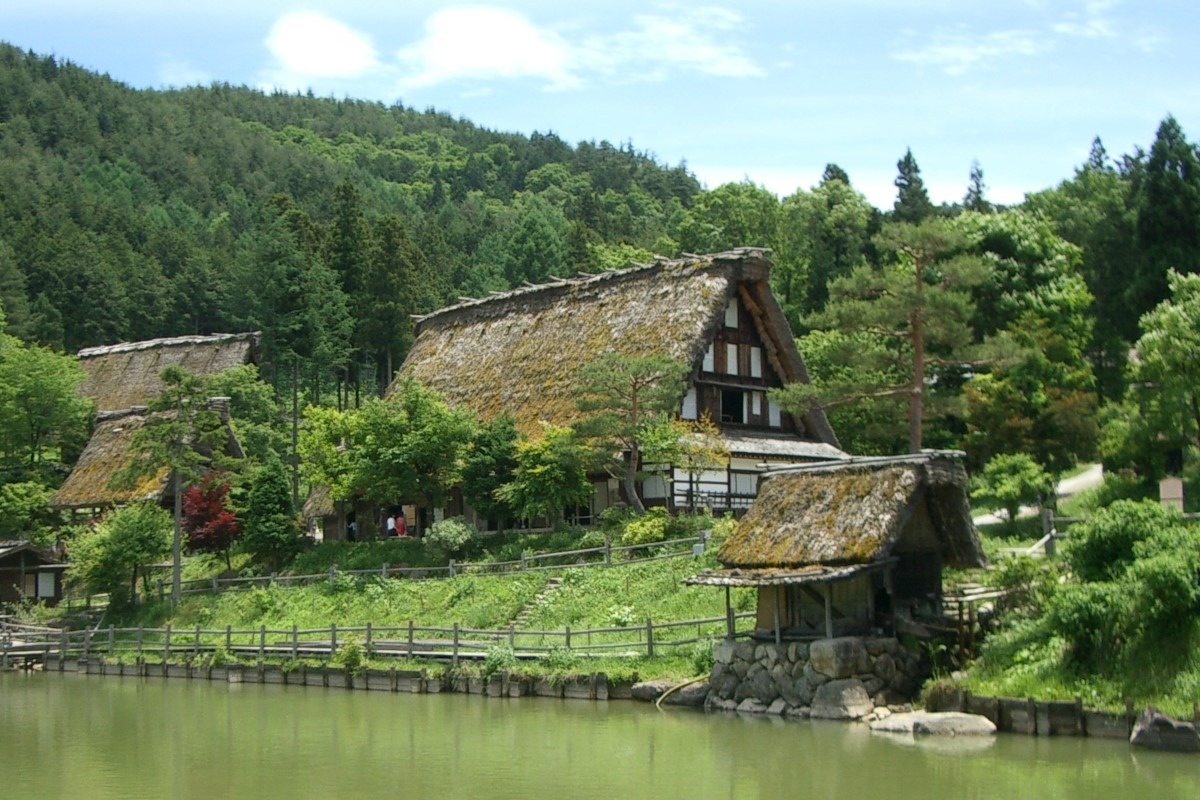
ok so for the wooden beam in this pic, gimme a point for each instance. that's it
(828, 611)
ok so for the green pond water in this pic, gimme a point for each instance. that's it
(95, 738)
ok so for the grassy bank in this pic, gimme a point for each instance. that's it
(583, 597)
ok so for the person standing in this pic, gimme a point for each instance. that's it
(391, 524)
(401, 524)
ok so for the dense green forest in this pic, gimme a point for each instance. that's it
(131, 214)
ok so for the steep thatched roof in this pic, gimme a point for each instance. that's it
(854, 513)
(520, 352)
(319, 503)
(106, 454)
(126, 375)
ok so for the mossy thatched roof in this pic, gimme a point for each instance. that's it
(126, 375)
(854, 512)
(106, 454)
(520, 352)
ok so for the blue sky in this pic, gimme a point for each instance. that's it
(770, 91)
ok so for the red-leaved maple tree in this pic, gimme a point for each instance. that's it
(210, 525)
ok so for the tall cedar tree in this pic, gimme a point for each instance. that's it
(912, 200)
(1168, 220)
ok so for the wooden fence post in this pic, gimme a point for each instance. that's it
(332, 574)
(196, 643)
(451, 565)
(649, 638)
(368, 644)
(384, 569)
(410, 638)
(167, 644)
(512, 637)
(111, 641)
(454, 657)
(214, 584)
(567, 637)
(228, 638)
(1048, 530)
(262, 642)
(608, 549)
(332, 637)
(295, 641)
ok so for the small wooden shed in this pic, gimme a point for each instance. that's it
(836, 549)
(29, 572)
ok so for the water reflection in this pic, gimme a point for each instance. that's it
(90, 737)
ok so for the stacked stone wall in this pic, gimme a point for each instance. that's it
(843, 678)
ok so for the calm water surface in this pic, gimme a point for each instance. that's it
(76, 736)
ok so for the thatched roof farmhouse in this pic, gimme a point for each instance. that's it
(122, 380)
(520, 353)
(832, 547)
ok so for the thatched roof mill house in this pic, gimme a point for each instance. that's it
(28, 572)
(520, 353)
(834, 549)
(122, 380)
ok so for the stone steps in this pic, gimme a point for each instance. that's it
(522, 617)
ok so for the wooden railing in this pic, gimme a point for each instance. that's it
(409, 641)
(1054, 531)
(605, 555)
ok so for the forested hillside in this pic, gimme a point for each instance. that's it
(325, 223)
(129, 214)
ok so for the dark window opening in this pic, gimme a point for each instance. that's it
(733, 407)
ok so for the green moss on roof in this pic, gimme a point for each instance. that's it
(851, 514)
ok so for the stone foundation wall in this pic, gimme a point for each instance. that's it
(843, 678)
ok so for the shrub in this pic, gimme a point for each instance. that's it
(350, 656)
(647, 528)
(499, 658)
(451, 537)
(1101, 548)
(702, 657)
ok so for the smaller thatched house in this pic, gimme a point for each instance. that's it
(90, 485)
(122, 380)
(836, 549)
(29, 572)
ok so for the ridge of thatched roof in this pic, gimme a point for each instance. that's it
(519, 352)
(854, 512)
(126, 375)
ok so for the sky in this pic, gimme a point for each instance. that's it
(767, 91)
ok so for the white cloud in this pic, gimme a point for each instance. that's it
(306, 44)
(485, 42)
(957, 53)
(686, 40)
(1093, 23)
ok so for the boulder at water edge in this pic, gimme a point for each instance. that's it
(1154, 730)
(846, 699)
(936, 723)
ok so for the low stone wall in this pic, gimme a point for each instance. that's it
(594, 686)
(844, 678)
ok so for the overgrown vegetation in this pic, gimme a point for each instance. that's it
(1118, 616)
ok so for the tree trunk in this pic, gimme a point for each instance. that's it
(631, 492)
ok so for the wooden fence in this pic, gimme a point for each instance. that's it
(411, 641)
(1054, 531)
(603, 556)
